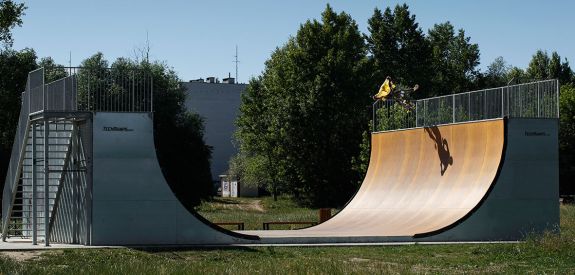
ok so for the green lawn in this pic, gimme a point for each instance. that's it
(254, 211)
(539, 254)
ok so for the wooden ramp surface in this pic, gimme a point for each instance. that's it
(418, 181)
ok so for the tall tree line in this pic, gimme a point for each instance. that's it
(303, 126)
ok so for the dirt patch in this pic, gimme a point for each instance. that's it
(256, 205)
(21, 256)
(244, 205)
(358, 260)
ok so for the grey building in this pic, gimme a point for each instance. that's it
(218, 103)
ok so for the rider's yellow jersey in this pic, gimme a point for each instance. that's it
(385, 89)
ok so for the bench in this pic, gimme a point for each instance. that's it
(266, 225)
(240, 225)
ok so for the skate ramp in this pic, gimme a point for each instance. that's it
(132, 204)
(419, 181)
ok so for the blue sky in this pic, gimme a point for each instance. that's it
(198, 38)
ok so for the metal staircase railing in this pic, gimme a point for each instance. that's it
(40, 158)
(32, 191)
(47, 191)
(18, 150)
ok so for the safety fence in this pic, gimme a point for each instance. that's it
(530, 100)
(91, 89)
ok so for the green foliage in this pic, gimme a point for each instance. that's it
(539, 66)
(542, 67)
(517, 75)
(455, 60)
(393, 117)
(360, 163)
(252, 171)
(178, 134)
(398, 48)
(497, 73)
(52, 71)
(567, 139)
(306, 113)
(260, 134)
(14, 68)
(179, 137)
(10, 17)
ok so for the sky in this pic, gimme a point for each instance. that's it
(198, 38)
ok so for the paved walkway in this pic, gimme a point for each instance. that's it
(15, 245)
(24, 245)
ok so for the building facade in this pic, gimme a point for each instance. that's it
(218, 104)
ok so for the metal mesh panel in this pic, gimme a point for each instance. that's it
(69, 223)
(530, 100)
(114, 90)
(35, 91)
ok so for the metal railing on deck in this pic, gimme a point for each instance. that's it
(530, 100)
(99, 90)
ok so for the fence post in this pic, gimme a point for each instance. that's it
(46, 184)
(502, 111)
(29, 92)
(44, 95)
(557, 100)
(484, 104)
(538, 103)
(468, 106)
(373, 106)
(34, 191)
(453, 108)
(416, 113)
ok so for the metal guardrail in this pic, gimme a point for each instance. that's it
(99, 90)
(530, 100)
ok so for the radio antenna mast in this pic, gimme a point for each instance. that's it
(237, 61)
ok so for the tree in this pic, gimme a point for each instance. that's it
(497, 73)
(179, 136)
(398, 48)
(567, 139)
(454, 60)
(52, 71)
(516, 75)
(182, 152)
(311, 105)
(566, 75)
(10, 17)
(542, 67)
(539, 66)
(259, 134)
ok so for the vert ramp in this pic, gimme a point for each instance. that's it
(477, 181)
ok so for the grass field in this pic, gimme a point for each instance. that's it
(539, 254)
(254, 211)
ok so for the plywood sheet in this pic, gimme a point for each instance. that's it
(418, 181)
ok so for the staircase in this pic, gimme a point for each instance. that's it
(47, 177)
(33, 191)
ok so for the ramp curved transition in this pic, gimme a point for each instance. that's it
(419, 181)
